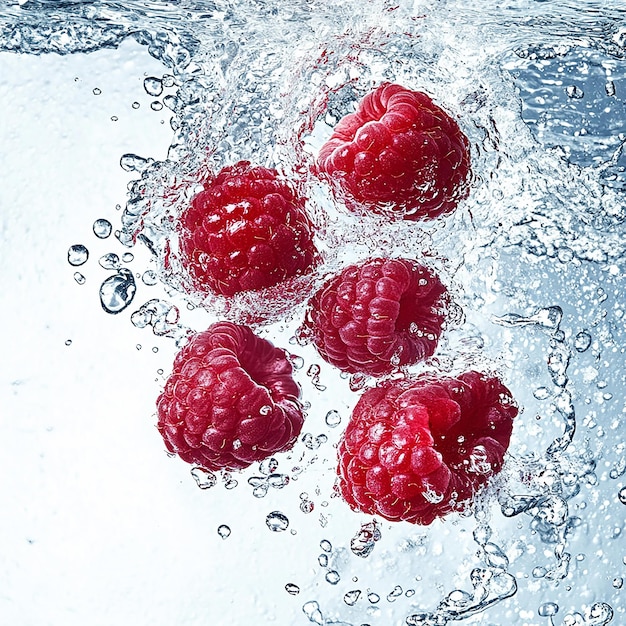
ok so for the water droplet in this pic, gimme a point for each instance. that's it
(96, 91)
(134, 163)
(204, 478)
(326, 545)
(292, 589)
(351, 597)
(322, 559)
(149, 278)
(548, 609)
(582, 341)
(312, 611)
(128, 257)
(110, 261)
(575, 92)
(357, 381)
(332, 577)
(622, 495)
(307, 506)
(296, 361)
(363, 542)
(102, 228)
(278, 481)
(135, 105)
(153, 86)
(541, 393)
(395, 593)
(138, 346)
(223, 531)
(374, 598)
(77, 255)
(68, 342)
(79, 278)
(268, 466)
(114, 118)
(333, 419)
(618, 582)
(156, 105)
(277, 521)
(117, 291)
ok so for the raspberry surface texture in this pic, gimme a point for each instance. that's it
(399, 153)
(415, 450)
(231, 400)
(245, 231)
(377, 316)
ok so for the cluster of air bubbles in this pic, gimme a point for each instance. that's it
(163, 317)
(312, 442)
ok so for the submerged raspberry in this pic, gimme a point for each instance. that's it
(245, 231)
(230, 400)
(377, 316)
(415, 450)
(399, 152)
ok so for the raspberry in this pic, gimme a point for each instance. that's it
(230, 400)
(415, 450)
(377, 316)
(245, 231)
(398, 153)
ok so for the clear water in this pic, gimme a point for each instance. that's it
(100, 521)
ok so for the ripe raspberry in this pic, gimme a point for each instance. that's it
(230, 401)
(377, 316)
(246, 230)
(415, 450)
(399, 152)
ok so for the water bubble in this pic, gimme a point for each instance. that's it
(96, 91)
(332, 419)
(322, 559)
(541, 393)
(332, 577)
(326, 545)
(394, 594)
(223, 531)
(268, 466)
(77, 255)
(622, 495)
(68, 342)
(351, 597)
(278, 481)
(128, 257)
(205, 479)
(110, 261)
(135, 105)
(582, 341)
(296, 361)
(79, 278)
(156, 105)
(373, 598)
(292, 589)
(277, 521)
(307, 506)
(357, 381)
(364, 541)
(153, 86)
(618, 582)
(539, 572)
(312, 611)
(548, 609)
(149, 278)
(102, 228)
(134, 163)
(574, 92)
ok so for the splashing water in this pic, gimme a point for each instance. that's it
(534, 259)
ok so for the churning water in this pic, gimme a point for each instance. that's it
(535, 260)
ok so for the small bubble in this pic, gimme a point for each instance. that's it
(117, 292)
(135, 105)
(395, 593)
(326, 545)
(622, 495)
(332, 577)
(373, 598)
(138, 346)
(77, 255)
(277, 521)
(114, 118)
(333, 419)
(278, 481)
(575, 92)
(541, 393)
(618, 582)
(79, 278)
(548, 609)
(156, 105)
(96, 91)
(168, 80)
(582, 341)
(153, 86)
(128, 257)
(110, 261)
(149, 278)
(609, 88)
(155, 349)
(322, 559)
(351, 597)
(68, 342)
(223, 531)
(102, 228)
(357, 381)
(307, 506)
(204, 478)
(292, 589)
(539, 572)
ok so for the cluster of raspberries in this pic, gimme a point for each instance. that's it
(415, 448)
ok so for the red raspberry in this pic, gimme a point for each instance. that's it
(415, 450)
(399, 152)
(230, 401)
(246, 230)
(377, 316)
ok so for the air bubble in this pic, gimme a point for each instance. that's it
(394, 594)
(322, 559)
(128, 257)
(332, 577)
(548, 609)
(205, 479)
(223, 531)
(77, 255)
(278, 481)
(364, 541)
(102, 228)
(622, 495)
(110, 261)
(268, 466)
(541, 393)
(156, 105)
(326, 545)
(153, 86)
(574, 92)
(135, 105)
(79, 278)
(96, 91)
(134, 163)
(618, 582)
(351, 597)
(332, 419)
(582, 341)
(68, 342)
(312, 611)
(277, 521)
(292, 589)
(149, 278)
(373, 598)
(307, 506)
